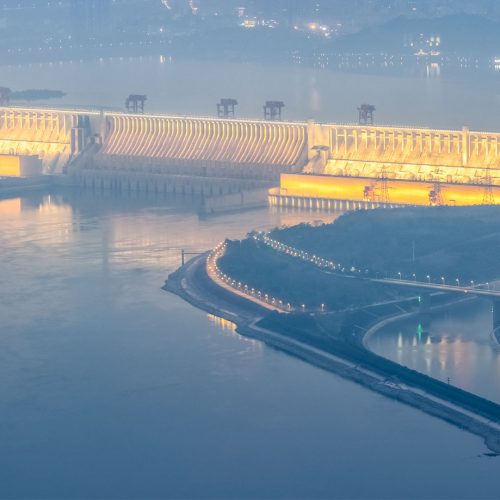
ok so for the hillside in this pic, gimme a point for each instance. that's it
(461, 34)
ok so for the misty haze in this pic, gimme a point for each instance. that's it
(249, 249)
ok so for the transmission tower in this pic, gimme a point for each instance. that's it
(384, 186)
(488, 196)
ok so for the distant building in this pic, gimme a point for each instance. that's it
(90, 19)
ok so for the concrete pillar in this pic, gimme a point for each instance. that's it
(465, 146)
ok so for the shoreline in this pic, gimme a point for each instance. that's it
(397, 317)
(193, 284)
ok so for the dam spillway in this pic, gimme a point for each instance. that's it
(328, 161)
(46, 134)
(407, 153)
(204, 139)
(367, 166)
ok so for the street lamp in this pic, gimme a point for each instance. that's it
(443, 280)
(472, 283)
(399, 274)
(414, 277)
(428, 279)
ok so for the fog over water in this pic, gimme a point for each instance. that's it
(115, 388)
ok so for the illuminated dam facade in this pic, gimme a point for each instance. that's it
(316, 165)
(367, 166)
(154, 152)
(41, 133)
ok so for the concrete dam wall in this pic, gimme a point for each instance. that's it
(152, 142)
(42, 133)
(460, 156)
(113, 150)
(205, 140)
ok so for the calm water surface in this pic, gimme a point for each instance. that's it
(452, 345)
(114, 388)
(193, 88)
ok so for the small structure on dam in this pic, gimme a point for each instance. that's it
(226, 108)
(273, 110)
(366, 112)
(135, 103)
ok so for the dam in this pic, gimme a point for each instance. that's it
(356, 166)
(304, 164)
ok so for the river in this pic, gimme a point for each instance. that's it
(115, 388)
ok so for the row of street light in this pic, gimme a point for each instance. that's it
(308, 257)
(329, 264)
(443, 282)
(242, 288)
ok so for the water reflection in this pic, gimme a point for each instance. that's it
(453, 346)
(229, 328)
(223, 324)
(433, 70)
(48, 220)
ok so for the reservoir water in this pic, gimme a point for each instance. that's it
(113, 388)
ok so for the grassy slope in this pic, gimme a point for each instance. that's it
(297, 282)
(461, 242)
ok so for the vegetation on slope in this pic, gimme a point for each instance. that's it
(296, 282)
(449, 242)
(441, 242)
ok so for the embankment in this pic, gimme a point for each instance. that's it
(348, 358)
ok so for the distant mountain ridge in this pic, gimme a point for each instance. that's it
(464, 34)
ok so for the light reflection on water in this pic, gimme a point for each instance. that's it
(229, 328)
(453, 346)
